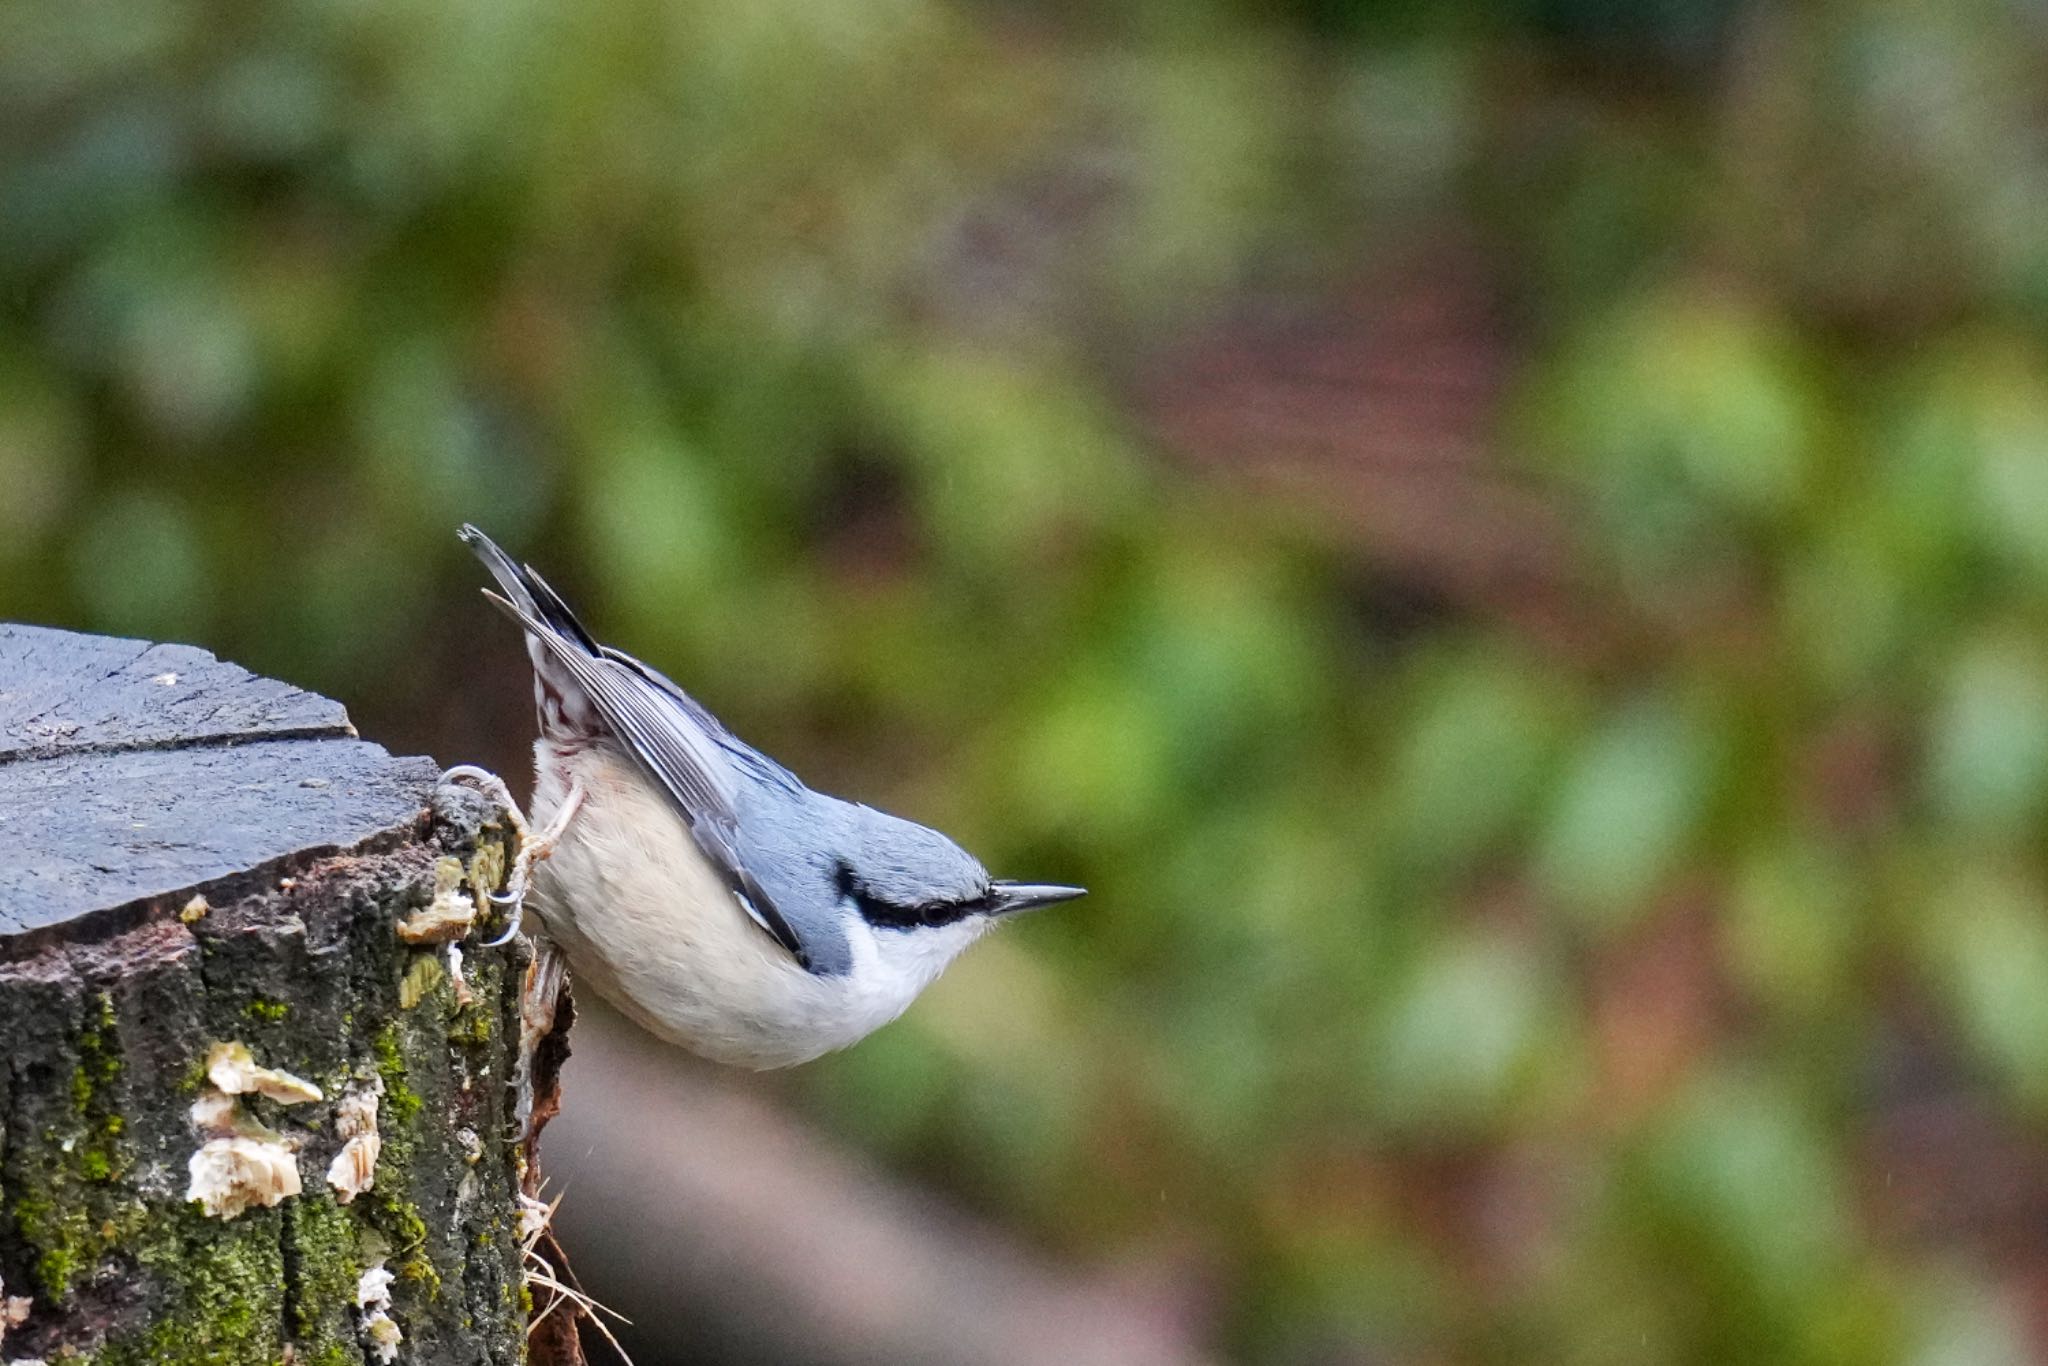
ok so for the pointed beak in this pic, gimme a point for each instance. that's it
(1004, 898)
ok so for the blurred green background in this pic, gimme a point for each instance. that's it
(1507, 544)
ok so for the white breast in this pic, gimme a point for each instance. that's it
(645, 920)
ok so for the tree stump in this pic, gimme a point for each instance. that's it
(257, 1105)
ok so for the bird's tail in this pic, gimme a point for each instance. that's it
(527, 594)
(565, 709)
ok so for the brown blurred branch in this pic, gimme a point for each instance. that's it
(1379, 403)
(704, 1212)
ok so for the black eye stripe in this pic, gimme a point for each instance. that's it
(884, 916)
(887, 915)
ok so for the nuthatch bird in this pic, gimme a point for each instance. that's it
(697, 884)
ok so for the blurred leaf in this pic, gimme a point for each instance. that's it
(1097, 759)
(1980, 412)
(1385, 1299)
(1967, 1324)
(1986, 939)
(1216, 643)
(1683, 417)
(1853, 600)
(1628, 807)
(159, 312)
(1469, 764)
(138, 567)
(1208, 123)
(432, 445)
(1217, 1082)
(42, 464)
(660, 525)
(1738, 1165)
(1793, 930)
(1006, 460)
(892, 1090)
(1988, 765)
(1462, 1038)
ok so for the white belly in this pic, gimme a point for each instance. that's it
(645, 920)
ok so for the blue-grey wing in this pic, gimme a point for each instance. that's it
(736, 751)
(690, 767)
(680, 745)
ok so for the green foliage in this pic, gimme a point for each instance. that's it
(1478, 990)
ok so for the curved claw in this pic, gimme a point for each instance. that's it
(532, 846)
(511, 926)
(514, 895)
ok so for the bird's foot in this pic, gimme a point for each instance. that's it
(529, 850)
(532, 849)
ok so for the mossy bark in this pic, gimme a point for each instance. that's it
(192, 857)
(106, 1048)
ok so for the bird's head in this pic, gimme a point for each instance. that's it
(924, 897)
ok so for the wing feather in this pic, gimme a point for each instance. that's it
(674, 739)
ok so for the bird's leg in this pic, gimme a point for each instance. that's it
(492, 786)
(541, 992)
(532, 847)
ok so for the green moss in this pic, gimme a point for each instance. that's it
(271, 1012)
(472, 1028)
(56, 1219)
(224, 1298)
(322, 1270)
(99, 1055)
(58, 1197)
(487, 866)
(425, 974)
(61, 1235)
(392, 1211)
(419, 1269)
(400, 1100)
(96, 1150)
(400, 1222)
